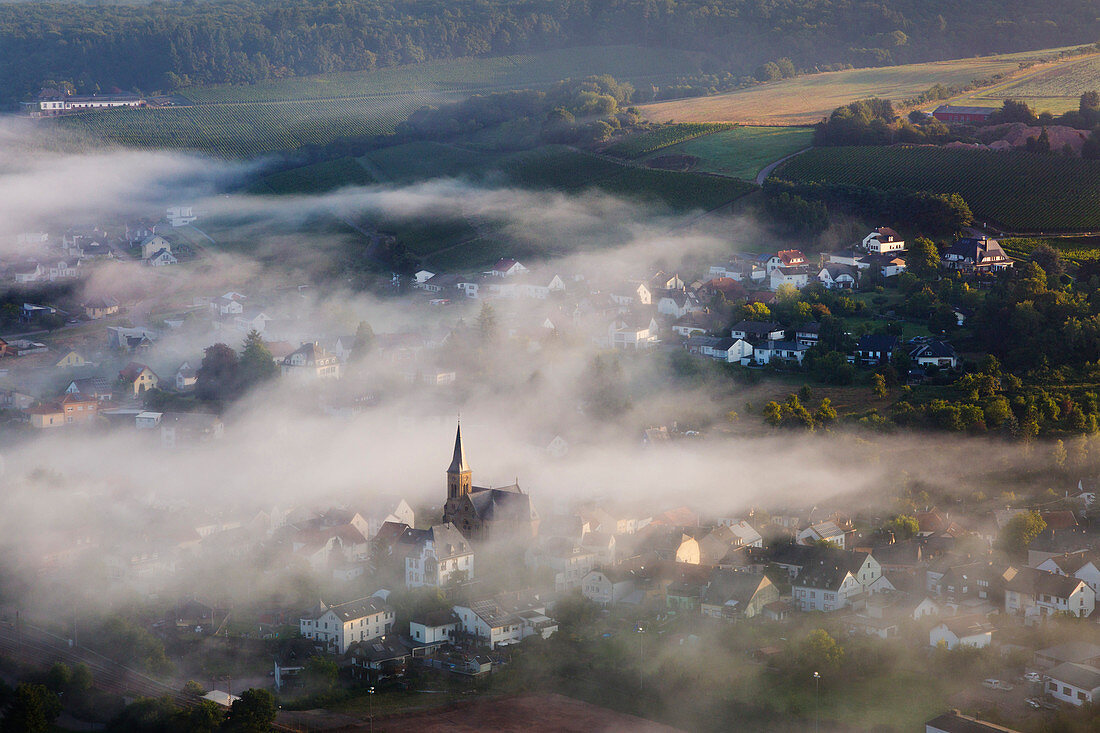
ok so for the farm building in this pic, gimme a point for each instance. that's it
(968, 115)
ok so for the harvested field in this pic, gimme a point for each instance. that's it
(541, 712)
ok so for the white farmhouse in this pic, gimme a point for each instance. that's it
(335, 627)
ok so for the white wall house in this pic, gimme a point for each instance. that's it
(335, 627)
(962, 631)
(499, 622)
(607, 587)
(440, 556)
(1074, 683)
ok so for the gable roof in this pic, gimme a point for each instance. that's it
(352, 609)
(877, 342)
(1038, 582)
(733, 588)
(132, 371)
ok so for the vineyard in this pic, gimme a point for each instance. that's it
(1018, 191)
(246, 130)
(1057, 89)
(470, 75)
(316, 178)
(635, 146)
(741, 152)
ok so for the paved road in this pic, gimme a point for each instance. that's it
(763, 175)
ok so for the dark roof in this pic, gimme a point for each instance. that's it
(504, 503)
(132, 371)
(760, 327)
(877, 342)
(732, 585)
(953, 109)
(1078, 675)
(382, 649)
(446, 539)
(934, 350)
(954, 722)
(441, 617)
(1036, 582)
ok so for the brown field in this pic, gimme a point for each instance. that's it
(533, 712)
(806, 99)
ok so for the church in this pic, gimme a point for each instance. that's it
(482, 513)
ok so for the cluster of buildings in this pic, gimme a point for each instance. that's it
(51, 102)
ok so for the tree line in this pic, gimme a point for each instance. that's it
(162, 46)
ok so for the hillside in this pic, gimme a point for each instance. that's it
(806, 99)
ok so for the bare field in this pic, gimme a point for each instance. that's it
(806, 99)
(1051, 88)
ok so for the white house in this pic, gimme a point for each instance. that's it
(152, 244)
(822, 531)
(798, 277)
(838, 277)
(608, 586)
(1074, 683)
(506, 620)
(632, 333)
(883, 240)
(439, 557)
(825, 586)
(1033, 593)
(962, 631)
(569, 561)
(678, 304)
(506, 267)
(1083, 566)
(756, 331)
(179, 216)
(162, 258)
(936, 353)
(434, 628)
(779, 351)
(335, 627)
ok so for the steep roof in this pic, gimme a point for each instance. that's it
(731, 587)
(458, 460)
(357, 609)
(1037, 582)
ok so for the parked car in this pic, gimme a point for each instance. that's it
(995, 684)
(1033, 677)
(1033, 703)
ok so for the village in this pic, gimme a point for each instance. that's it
(457, 587)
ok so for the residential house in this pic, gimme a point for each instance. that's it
(1077, 652)
(436, 627)
(569, 561)
(1033, 593)
(336, 627)
(757, 331)
(506, 267)
(1081, 565)
(957, 631)
(732, 594)
(798, 277)
(29, 272)
(936, 353)
(825, 586)
(71, 360)
(179, 216)
(976, 255)
(883, 240)
(186, 377)
(162, 258)
(779, 351)
(440, 556)
(62, 270)
(379, 659)
(838, 277)
(696, 322)
(886, 265)
(782, 258)
(808, 334)
(506, 619)
(744, 534)
(138, 378)
(677, 303)
(312, 361)
(822, 531)
(97, 388)
(1077, 684)
(189, 428)
(152, 245)
(97, 308)
(609, 585)
(632, 332)
(875, 348)
(69, 409)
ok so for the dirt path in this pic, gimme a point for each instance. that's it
(767, 170)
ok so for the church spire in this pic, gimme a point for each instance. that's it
(458, 462)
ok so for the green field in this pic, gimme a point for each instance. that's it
(742, 152)
(630, 63)
(418, 161)
(1073, 249)
(1018, 191)
(1056, 88)
(316, 178)
(635, 146)
(681, 192)
(285, 114)
(250, 129)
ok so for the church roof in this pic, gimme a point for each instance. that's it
(506, 503)
(458, 462)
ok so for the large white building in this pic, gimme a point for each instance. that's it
(506, 620)
(439, 556)
(336, 627)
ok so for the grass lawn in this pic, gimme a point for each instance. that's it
(742, 152)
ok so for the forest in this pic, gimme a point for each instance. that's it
(167, 46)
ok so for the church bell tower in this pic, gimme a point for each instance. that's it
(459, 475)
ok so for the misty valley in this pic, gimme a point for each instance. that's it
(549, 366)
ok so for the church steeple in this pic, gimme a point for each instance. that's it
(459, 475)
